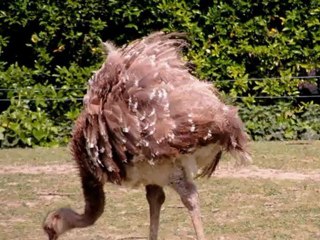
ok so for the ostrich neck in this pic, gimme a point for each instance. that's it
(75, 220)
(94, 205)
(92, 187)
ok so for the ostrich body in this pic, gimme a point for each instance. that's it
(148, 121)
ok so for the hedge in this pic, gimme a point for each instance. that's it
(48, 50)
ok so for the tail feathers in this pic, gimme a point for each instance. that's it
(243, 158)
(238, 146)
(238, 139)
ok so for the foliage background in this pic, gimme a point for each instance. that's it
(48, 50)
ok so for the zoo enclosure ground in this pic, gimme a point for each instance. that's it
(277, 197)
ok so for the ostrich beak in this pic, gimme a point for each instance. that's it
(52, 235)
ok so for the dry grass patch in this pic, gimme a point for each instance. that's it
(232, 208)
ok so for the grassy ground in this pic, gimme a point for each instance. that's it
(232, 208)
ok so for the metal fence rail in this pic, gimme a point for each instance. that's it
(316, 96)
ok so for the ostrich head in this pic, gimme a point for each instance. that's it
(60, 221)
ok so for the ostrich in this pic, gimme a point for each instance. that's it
(148, 121)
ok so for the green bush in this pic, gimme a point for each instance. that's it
(48, 50)
(41, 114)
(282, 121)
(23, 126)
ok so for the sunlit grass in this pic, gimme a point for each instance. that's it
(231, 208)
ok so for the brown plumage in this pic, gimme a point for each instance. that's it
(147, 120)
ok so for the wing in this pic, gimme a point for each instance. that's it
(177, 112)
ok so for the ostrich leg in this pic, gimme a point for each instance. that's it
(155, 197)
(189, 197)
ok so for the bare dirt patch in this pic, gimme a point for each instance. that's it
(267, 173)
(223, 172)
(29, 169)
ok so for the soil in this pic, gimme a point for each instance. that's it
(48, 169)
(267, 173)
(223, 172)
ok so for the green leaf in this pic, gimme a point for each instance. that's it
(39, 134)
